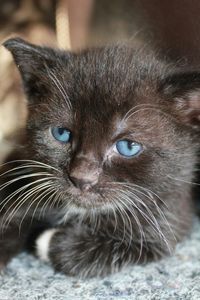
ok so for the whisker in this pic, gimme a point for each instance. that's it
(182, 180)
(25, 176)
(47, 189)
(41, 198)
(45, 205)
(121, 210)
(134, 217)
(128, 184)
(131, 112)
(30, 161)
(142, 235)
(59, 86)
(135, 107)
(156, 205)
(151, 220)
(10, 196)
(18, 204)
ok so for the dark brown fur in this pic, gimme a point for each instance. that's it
(133, 210)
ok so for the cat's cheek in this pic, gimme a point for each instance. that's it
(43, 244)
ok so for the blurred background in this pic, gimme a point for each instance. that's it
(173, 27)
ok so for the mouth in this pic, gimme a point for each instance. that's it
(86, 199)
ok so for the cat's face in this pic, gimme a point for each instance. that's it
(115, 126)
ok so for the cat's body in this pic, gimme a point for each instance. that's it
(96, 207)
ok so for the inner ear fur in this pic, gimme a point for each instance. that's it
(183, 92)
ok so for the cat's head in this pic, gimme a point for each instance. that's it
(115, 124)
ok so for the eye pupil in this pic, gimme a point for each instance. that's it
(128, 148)
(61, 134)
(130, 145)
(61, 131)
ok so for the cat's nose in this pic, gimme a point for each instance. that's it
(84, 173)
(84, 184)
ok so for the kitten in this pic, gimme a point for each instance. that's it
(102, 177)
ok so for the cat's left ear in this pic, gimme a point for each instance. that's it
(31, 61)
(183, 91)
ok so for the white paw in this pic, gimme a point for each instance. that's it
(42, 244)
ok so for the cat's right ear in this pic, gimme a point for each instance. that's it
(32, 62)
(182, 90)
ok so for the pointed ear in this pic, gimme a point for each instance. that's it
(183, 89)
(32, 62)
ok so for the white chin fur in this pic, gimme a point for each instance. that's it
(42, 244)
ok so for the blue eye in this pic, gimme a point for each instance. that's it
(128, 148)
(61, 134)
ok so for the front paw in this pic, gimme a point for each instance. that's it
(43, 244)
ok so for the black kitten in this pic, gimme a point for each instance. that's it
(108, 156)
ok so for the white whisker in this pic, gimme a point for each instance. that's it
(47, 189)
(10, 196)
(19, 203)
(59, 86)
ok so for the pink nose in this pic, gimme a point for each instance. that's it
(84, 176)
(84, 172)
(83, 184)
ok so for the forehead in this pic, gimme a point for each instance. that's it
(99, 105)
(129, 119)
(104, 84)
(111, 77)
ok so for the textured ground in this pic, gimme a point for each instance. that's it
(177, 277)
